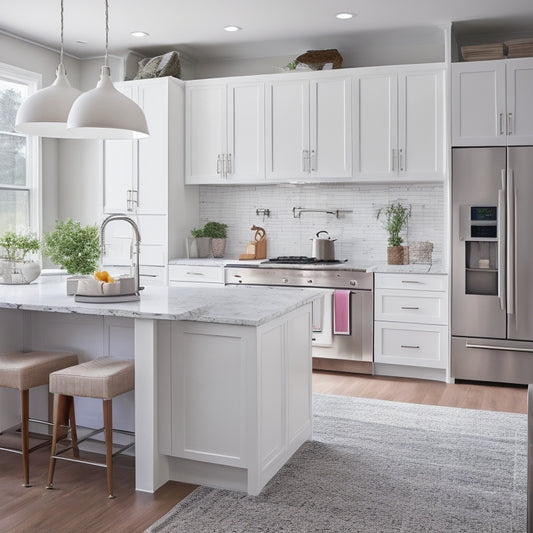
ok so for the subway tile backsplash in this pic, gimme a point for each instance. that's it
(359, 235)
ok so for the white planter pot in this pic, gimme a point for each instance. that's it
(18, 272)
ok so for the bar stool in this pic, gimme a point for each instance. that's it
(23, 371)
(102, 378)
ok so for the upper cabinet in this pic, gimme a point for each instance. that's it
(135, 173)
(399, 124)
(491, 103)
(308, 129)
(224, 126)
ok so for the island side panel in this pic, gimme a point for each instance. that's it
(11, 339)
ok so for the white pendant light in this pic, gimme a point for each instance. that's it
(104, 112)
(45, 112)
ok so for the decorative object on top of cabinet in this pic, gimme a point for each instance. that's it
(256, 249)
(395, 216)
(14, 268)
(217, 231)
(483, 52)
(399, 124)
(319, 59)
(420, 252)
(157, 67)
(491, 103)
(519, 48)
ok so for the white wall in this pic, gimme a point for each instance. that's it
(360, 237)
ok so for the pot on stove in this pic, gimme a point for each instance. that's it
(323, 248)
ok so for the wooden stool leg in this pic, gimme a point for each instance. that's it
(60, 410)
(73, 432)
(108, 426)
(24, 416)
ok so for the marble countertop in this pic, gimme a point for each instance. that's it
(223, 305)
(436, 268)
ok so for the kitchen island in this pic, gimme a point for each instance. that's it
(222, 376)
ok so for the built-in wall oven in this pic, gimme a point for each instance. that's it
(342, 317)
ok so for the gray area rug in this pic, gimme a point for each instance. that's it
(378, 466)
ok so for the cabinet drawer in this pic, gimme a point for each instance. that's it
(196, 273)
(407, 344)
(421, 307)
(152, 275)
(413, 282)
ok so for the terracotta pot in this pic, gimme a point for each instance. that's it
(218, 246)
(395, 255)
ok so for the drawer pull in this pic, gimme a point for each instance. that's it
(412, 308)
(149, 275)
(409, 346)
(195, 273)
(410, 281)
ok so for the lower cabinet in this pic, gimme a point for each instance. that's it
(411, 325)
(186, 275)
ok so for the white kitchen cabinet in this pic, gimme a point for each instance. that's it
(181, 275)
(225, 129)
(308, 129)
(135, 173)
(411, 325)
(145, 180)
(491, 103)
(399, 124)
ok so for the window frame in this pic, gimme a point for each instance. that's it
(33, 81)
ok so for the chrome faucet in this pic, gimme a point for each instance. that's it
(119, 216)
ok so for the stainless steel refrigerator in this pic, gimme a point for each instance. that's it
(492, 258)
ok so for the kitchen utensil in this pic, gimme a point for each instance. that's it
(323, 248)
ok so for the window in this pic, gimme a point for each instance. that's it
(19, 156)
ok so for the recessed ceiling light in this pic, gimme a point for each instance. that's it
(139, 34)
(344, 16)
(232, 28)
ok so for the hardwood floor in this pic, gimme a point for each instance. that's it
(79, 501)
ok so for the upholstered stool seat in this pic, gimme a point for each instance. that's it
(102, 378)
(23, 371)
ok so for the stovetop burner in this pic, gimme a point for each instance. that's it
(300, 260)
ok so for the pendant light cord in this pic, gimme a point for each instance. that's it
(106, 31)
(61, 52)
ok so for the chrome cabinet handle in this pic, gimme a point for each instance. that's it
(229, 169)
(411, 308)
(313, 160)
(195, 273)
(410, 281)
(219, 161)
(509, 123)
(393, 158)
(501, 124)
(305, 160)
(401, 158)
(129, 200)
(409, 346)
(135, 197)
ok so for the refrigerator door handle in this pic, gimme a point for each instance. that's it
(510, 243)
(491, 347)
(501, 245)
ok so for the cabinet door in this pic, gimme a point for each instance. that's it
(375, 127)
(331, 128)
(478, 104)
(287, 130)
(519, 101)
(246, 132)
(118, 171)
(205, 132)
(152, 152)
(421, 125)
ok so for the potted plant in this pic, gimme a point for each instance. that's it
(217, 231)
(73, 247)
(395, 220)
(15, 267)
(203, 242)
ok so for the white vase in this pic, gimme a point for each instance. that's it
(18, 272)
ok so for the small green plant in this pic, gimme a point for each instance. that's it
(197, 233)
(291, 65)
(73, 247)
(16, 247)
(396, 216)
(215, 230)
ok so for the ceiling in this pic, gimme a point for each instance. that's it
(269, 28)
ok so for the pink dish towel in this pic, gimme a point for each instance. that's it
(341, 317)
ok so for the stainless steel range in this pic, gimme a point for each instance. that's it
(342, 318)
